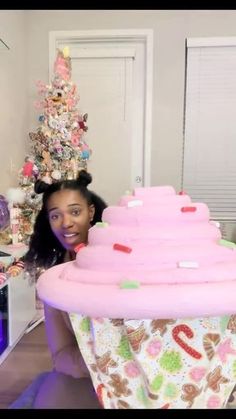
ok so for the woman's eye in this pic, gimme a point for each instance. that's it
(76, 212)
(54, 217)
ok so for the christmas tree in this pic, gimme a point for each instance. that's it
(58, 149)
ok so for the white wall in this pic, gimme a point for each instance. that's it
(171, 27)
(13, 85)
(170, 30)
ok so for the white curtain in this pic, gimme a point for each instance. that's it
(209, 155)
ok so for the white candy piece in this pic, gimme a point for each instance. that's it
(215, 223)
(188, 264)
(135, 203)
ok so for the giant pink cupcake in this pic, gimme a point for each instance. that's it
(155, 244)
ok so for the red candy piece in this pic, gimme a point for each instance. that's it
(122, 248)
(188, 209)
(78, 247)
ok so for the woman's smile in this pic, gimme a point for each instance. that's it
(70, 237)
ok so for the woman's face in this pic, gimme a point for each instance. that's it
(69, 217)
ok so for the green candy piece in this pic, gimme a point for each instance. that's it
(227, 243)
(129, 285)
(101, 224)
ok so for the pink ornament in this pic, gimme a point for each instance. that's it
(28, 169)
(49, 102)
(40, 84)
(70, 103)
(50, 111)
(73, 89)
(84, 147)
(38, 104)
(41, 87)
(75, 138)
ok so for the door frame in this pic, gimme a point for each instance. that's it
(125, 35)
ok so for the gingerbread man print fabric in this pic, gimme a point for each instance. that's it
(136, 364)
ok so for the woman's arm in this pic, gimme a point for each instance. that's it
(62, 343)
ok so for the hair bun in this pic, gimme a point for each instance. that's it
(84, 178)
(40, 186)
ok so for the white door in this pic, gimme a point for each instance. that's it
(111, 83)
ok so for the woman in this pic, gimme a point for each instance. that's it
(69, 209)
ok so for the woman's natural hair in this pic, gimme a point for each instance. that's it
(45, 250)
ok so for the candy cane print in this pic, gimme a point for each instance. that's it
(99, 391)
(189, 333)
(165, 406)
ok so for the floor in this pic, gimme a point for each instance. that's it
(29, 358)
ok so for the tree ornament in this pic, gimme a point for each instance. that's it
(56, 175)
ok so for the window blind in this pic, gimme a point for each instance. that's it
(209, 152)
